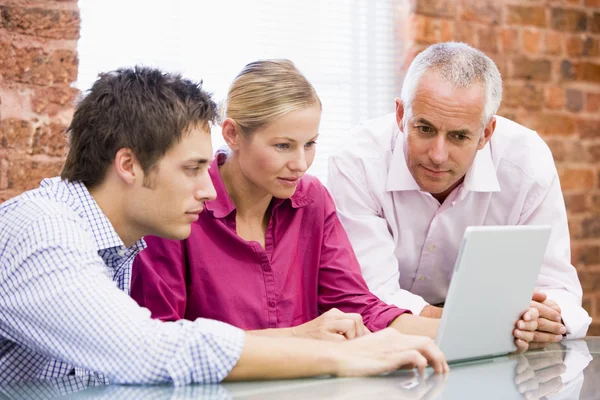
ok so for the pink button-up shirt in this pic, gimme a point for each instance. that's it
(306, 268)
(407, 242)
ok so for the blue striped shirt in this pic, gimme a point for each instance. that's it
(64, 304)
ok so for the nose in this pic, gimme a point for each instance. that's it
(438, 152)
(205, 189)
(299, 163)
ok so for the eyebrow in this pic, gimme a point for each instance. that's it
(199, 161)
(294, 140)
(465, 132)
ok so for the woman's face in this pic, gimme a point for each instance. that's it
(276, 156)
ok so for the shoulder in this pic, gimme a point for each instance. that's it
(516, 147)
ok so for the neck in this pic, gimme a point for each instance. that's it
(441, 197)
(251, 202)
(111, 202)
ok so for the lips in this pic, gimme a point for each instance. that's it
(293, 181)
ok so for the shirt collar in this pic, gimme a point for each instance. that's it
(481, 176)
(222, 206)
(102, 230)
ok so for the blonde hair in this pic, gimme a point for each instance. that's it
(266, 90)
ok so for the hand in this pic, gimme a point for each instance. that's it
(538, 374)
(540, 325)
(333, 325)
(431, 311)
(386, 351)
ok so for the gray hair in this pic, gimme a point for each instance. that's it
(461, 65)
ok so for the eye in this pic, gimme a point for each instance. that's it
(282, 146)
(310, 144)
(425, 129)
(460, 137)
(192, 170)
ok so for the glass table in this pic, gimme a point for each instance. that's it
(569, 370)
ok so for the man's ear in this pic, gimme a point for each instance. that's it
(231, 133)
(488, 131)
(399, 112)
(127, 166)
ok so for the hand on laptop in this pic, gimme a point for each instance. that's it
(333, 325)
(387, 350)
(540, 325)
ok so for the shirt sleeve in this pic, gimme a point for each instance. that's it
(558, 278)
(368, 232)
(158, 278)
(58, 299)
(341, 284)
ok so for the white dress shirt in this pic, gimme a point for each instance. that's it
(407, 243)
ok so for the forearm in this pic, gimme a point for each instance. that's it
(272, 332)
(269, 358)
(416, 325)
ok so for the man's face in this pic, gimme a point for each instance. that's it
(174, 191)
(443, 131)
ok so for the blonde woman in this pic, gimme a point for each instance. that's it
(269, 253)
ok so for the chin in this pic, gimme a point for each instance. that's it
(176, 234)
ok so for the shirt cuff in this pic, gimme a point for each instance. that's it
(407, 300)
(574, 317)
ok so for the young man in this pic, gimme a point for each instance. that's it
(414, 180)
(137, 165)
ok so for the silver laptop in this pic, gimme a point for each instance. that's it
(494, 279)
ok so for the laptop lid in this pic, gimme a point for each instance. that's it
(493, 281)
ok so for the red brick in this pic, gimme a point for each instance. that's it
(589, 128)
(532, 40)
(553, 43)
(578, 46)
(526, 68)
(509, 40)
(53, 99)
(34, 65)
(592, 3)
(576, 203)
(8, 194)
(54, 24)
(522, 15)
(593, 102)
(554, 124)
(16, 134)
(580, 71)
(554, 97)
(594, 22)
(594, 329)
(526, 95)
(588, 255)
(558, 148)
(595, 203)
(487, 39)
(485, 11)
(465, 33)
(424, 29)
(446, 30)
(591, 227)
(50, 140)
(574, 46)
(25, 174)
(568, 20)
(590, 281)
(436, 8)
(571, 178)
(594, 152)
(574, 100)
(588, 302)
(591, 47)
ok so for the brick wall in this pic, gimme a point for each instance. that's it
(38, 63)
(549, 55)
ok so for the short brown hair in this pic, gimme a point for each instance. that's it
(141, 108)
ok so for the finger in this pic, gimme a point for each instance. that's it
(531, 315)
(538, 296)
(527, 325)
(537, 336)
(521, 344)
(548, 374)
(540, 363)
(434, 356)
(522, 364)
(531, 385)
(552, 386)
(359, 326)
(525, 376)
(545, 325)
(552, 304)
(344, 327)
(537, 346)
(334, 337)
(413, 359)
(546, 311)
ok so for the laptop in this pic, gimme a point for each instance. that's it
(493, 281)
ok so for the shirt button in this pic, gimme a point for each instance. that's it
(431, 248)
(121, 252)
(272, 303)
(422, 278)
(266, 267)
